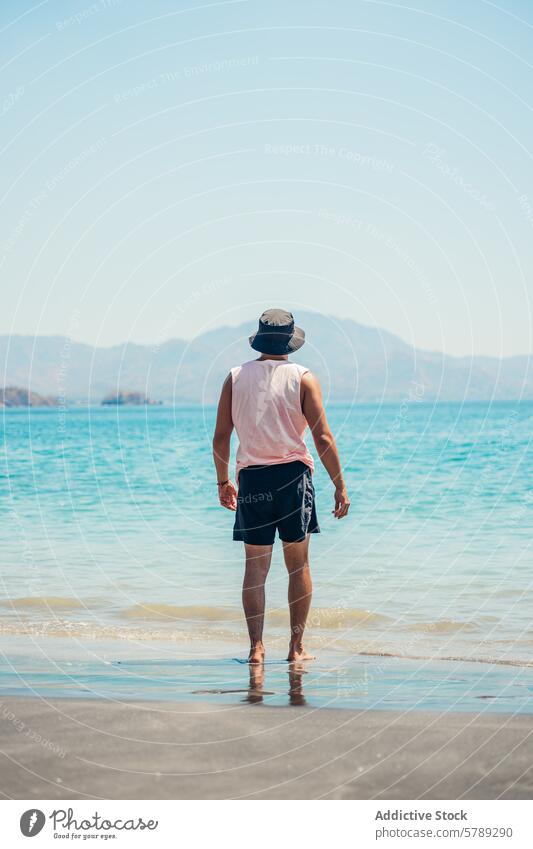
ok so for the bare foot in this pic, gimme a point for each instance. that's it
(257, 653)
(299, 653)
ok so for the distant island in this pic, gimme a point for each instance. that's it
(135, 399)
(16, 396)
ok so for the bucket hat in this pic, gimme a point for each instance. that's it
(277, 333)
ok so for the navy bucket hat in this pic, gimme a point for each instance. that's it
(277, 333)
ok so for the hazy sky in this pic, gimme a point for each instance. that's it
(169, 167)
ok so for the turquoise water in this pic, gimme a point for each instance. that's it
(111, 530)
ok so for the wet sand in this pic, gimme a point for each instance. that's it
(77, 749)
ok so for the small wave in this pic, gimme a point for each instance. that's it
(44, 602)
(170, 612)
(444, 626)
(333, 617)
(92, 631)
(497, 661)
(320, 617)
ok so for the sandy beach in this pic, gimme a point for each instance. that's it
(85, 749)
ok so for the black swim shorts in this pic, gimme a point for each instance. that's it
(279, 496)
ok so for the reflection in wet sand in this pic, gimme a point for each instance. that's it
(256, 690)
(296, 692)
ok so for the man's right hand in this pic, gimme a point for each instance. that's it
(342, 503)
(227, 495)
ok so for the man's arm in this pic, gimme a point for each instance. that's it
(221, 448)
(313, 410)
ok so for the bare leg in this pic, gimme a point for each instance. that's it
(300, 590)
(258, 559)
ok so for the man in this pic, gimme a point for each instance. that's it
(270, 401)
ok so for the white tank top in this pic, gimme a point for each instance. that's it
(267, 413)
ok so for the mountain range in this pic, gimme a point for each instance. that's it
(353, 361)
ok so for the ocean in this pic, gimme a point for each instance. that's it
(119, 577)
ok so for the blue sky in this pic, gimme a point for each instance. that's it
(173, 167)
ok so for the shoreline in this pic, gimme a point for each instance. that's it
(224, 644)
(152, 672)
(91, 749)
